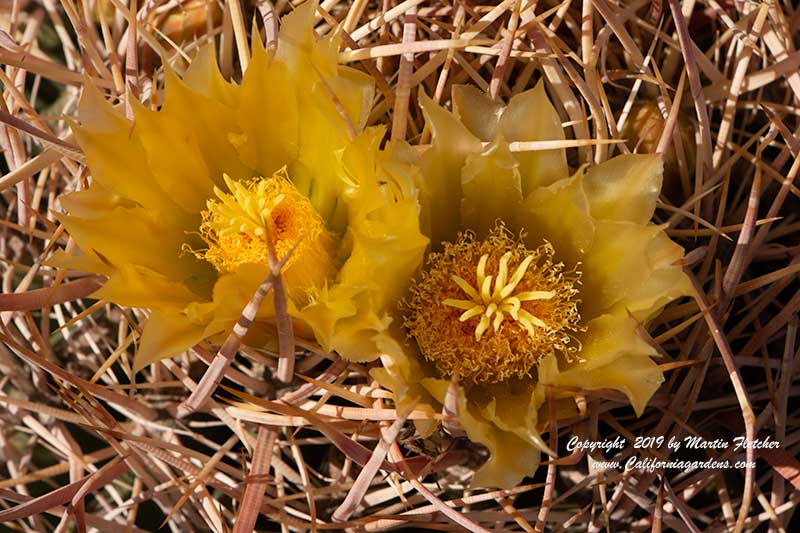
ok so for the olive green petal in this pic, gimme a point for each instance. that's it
(559, 214)
(491, 189)
(624, 188)
(441, 165)
(479, 113)
(530, 116)
(166, 334)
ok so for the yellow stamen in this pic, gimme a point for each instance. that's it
(236, 224)
(491, 310)
(499, 300)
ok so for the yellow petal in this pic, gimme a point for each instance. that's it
(663, 286)
(124, 236)
(355, 338)
(138, 286)
(203, 76)
(359, 162)
(173, 156)
(383, 246)
(267, 145)
(211, 120)
(441, 169)
(514, 407)
(387, 247)
(491, 190)
(232, 292)
(530, 116)
(355, 189)
(437, 387)
(326, 310)
(506, 430)
(79, 261)
(323, 90)
(559, 214)
(354, 91)
(93, 200)
(167, 333)
(624, 268)
(638, 377)
(399, 160)
(547, 369)
(402, 373)
(479, 113)
(323, 133)
(511, 458)
(624, 188)
(300, 50)
(116, 158)
(345, 320)
(609, 338)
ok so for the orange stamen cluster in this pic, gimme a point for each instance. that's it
(491, 310)
(237, 224)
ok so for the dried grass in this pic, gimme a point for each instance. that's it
(87, 446)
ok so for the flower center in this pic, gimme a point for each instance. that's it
(491, 310)
(237, 224)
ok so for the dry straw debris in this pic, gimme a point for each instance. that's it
(219, 441)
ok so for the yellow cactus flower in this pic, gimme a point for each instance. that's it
(536, 280)
(183, 199)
